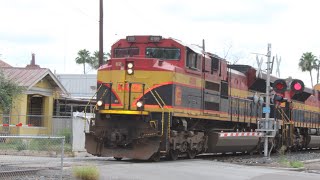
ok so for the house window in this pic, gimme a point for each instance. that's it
(35, 110)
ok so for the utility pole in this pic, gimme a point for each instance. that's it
(101, 34)
(266, 124)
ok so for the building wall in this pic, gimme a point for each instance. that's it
(19, 113)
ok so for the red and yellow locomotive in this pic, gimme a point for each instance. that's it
(161, 97)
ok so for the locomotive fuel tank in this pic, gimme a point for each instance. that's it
(232, 142)
(313, 141)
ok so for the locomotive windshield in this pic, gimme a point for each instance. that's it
(163, 53)
(125, 52)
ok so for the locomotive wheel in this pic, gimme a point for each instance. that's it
(191, 154)
(172, 155)
(118, 158)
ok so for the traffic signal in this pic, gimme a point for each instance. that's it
(296, 86)
(279, 86)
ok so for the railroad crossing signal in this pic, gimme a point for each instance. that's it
(278, 66)
(281, 86)
(259, 63)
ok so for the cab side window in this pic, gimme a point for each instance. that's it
(193, 60)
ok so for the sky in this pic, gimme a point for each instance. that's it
(55, 30)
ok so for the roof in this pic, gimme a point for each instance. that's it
(79, 85)
(28, 77)
(197, 49)
(4, 64)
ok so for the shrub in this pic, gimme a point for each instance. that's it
(86, 172)
(40, 145)
(67, 134)
(21, 146)
(17, 144)
(282, 150)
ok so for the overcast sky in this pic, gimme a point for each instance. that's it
(55, 30)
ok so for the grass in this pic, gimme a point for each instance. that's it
(86, 172)
(293, 164)
(296, 164)
(285, 162)
(35, 144)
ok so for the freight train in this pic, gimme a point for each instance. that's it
(161, 97)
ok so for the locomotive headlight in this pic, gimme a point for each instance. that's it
(130, 65)
(130, 68)
(130, 71)
(99, 103)
(139, 104)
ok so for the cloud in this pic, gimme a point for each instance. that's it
(57, 29)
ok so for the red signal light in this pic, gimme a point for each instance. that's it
(297, 86)
(279, 86)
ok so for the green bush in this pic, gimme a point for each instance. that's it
(19, 144)
(86, 172)
(67, 134)
(40, 145)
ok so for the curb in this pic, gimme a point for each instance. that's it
(311, 161)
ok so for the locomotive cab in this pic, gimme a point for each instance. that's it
(134, 91)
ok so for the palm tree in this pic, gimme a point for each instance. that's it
(95, 59)
(317, 67)
(83, 58)
(308, 62)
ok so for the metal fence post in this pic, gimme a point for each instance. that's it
(62, 155)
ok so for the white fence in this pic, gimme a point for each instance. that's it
(80, 124)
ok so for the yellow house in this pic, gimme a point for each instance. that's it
(32, 111)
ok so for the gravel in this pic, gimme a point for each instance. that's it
(275, 160)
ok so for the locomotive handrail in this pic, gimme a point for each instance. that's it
(85, 108)
(164, 104)
(162, 120)
(283, 115)
(168, 112)
(162, 107)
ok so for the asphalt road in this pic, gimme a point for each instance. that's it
(186, 170)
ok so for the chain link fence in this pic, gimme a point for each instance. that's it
(31, 157)
(33, 146)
